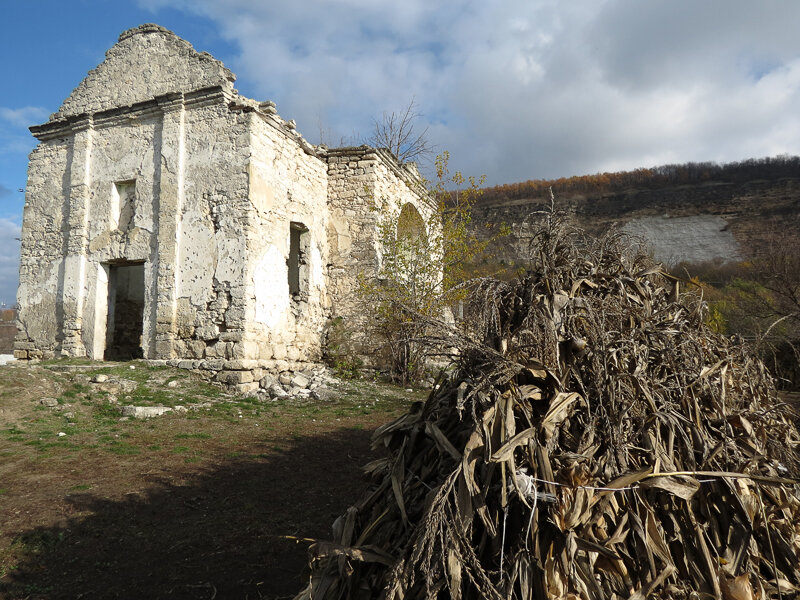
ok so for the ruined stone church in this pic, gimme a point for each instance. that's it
(168, 217)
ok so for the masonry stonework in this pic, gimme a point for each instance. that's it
(170, 218)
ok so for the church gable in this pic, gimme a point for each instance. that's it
(146, 62)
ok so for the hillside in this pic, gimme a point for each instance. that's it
(8, 330)
(690, 212)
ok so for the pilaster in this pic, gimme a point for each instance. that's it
(170, 207)
(75, 261)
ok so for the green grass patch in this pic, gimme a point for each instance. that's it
(122, 448)
(70, 394)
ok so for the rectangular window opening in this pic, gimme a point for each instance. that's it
(299, 240)
(123, 205)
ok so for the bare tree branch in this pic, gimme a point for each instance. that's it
(396, 131)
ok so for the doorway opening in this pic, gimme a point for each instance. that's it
(125, 311)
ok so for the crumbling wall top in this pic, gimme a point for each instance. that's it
(147, 61)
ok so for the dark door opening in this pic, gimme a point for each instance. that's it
(125, 311)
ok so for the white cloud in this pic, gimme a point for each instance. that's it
(23, 117)
(14, 137)
(9, 260)
(531, 88)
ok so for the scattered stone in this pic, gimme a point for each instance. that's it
(100, 378)
(300, 381)
(277, 392)
(125, 386)
(69, 415)
(173, 383)
(144, 412)
(51, 402)
(285, 378)
(61, 434)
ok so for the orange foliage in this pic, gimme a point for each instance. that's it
(656, 177)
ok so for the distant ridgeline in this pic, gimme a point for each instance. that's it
(692, 212)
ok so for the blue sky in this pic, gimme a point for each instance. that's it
(514, 89)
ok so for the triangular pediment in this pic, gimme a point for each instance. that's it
(147, 61)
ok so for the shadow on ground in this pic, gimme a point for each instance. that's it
(220, 536)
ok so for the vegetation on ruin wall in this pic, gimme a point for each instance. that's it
(423, 269)
(652, 178)
(758, 300)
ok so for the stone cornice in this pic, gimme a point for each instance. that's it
(125, 114)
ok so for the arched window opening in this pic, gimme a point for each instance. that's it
(410, 225)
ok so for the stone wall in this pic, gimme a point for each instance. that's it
(288, 192)
(182, 164)
(365, 185)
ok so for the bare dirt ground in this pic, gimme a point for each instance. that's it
(218, 502)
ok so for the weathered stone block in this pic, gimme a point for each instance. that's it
(300, 381)
(234, 377)
(247, 388)
(213, 365)
(164, 349)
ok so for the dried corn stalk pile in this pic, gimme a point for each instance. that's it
(596, 441)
